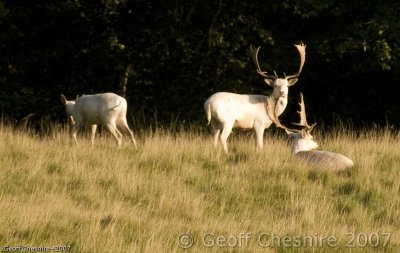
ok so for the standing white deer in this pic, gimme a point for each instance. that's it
(226, 110)
(106, 109)
(303, 144)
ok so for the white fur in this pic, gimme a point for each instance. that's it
(226, 110)
(304, 147)
(106, 109)
(303, 144)
(302, 141)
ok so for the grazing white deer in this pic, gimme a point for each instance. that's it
(226, 110)
(106, 109)
(303, 144)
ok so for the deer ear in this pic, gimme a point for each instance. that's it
(269, 81)
(292, 81)
(63, 99)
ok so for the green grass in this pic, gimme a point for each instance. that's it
(106, 199)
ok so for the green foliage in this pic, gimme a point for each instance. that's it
(180, 52)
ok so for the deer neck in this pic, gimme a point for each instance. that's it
(281, 105)
(296, 148)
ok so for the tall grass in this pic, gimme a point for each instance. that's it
(176, 189)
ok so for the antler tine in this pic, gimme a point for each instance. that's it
(254, 55)
(303, 116)
(302, 112)
(301, 48)
(271, 106)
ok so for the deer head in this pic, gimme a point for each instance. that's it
(280, 85)
(302, 138)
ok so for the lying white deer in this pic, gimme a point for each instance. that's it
(225, 110)
(303, 144)
(106, 109)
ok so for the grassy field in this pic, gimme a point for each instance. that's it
(176, 193)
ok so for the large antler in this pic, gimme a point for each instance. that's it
(254, 55)
(302, 51)
(271, 104)
(303, 116)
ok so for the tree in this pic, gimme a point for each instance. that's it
(174, 54)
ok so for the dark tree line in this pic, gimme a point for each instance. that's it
(167, 57)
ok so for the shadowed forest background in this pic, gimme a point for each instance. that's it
(168, 57)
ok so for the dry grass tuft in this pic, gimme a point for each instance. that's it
(104, 199)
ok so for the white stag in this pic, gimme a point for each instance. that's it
(303, 144)
(225, 110)
(106, 109)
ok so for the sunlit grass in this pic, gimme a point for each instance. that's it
(106, 199)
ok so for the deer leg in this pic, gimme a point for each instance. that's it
(216, 131)
(259, 137)
(75, 128)
(216, 135)
(224, 136)
(125, 126)
(114, 131)
(94, 128)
